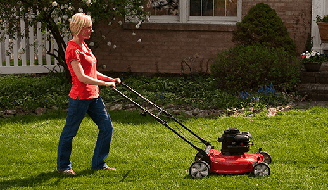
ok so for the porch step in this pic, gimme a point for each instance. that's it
(314, 77)
(315, 92)
(314, 85)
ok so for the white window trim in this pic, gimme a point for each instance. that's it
(184, 12)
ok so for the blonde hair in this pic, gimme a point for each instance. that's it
(78, 21)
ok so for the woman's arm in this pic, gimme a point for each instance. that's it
(103, 77)
(79, 72)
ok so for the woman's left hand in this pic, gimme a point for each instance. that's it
(117, 80)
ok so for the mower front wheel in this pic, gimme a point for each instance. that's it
(199, 169)
(261, 169)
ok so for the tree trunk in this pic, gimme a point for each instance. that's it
(61, 50)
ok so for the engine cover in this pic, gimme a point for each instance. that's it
(234, 142)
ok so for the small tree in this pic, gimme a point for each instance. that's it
(263, 26)
(55, 15)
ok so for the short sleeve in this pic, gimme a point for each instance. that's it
(73, 54)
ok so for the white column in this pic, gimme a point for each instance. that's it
(319, 7)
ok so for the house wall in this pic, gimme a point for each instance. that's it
(163, 47)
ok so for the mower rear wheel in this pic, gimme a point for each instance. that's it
(199, 169)
(267, 157)
(261, 169)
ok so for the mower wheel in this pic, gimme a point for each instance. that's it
(199, 169)
(261, 169)
(267, 157)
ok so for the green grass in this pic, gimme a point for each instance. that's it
(149, 156)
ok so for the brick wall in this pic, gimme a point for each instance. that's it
(164, 46)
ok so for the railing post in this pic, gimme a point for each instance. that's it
(23, 42)
(7, 50)
(39, 43)
(2, 50)
(14, 52)
(31, 41)
(47, 40)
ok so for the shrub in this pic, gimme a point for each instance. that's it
(262, 26)
(249, 67)
(28, 92)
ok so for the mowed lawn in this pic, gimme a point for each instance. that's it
(149, 156)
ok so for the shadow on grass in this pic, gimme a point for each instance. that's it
(117, 116)
(54, 179)
(38, 180)
(29, 118)
(214, 175)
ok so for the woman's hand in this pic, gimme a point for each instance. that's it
(110, 84)
(113, 84)
(117, 80)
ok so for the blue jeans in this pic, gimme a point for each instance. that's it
(77, 109)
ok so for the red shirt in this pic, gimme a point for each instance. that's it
(88, 62)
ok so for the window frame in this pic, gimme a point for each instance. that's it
(184, 12)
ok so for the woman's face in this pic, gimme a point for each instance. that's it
(86, 31)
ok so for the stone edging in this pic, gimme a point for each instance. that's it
(195, 112)
(184, 110)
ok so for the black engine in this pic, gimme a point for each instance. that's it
(234, 142)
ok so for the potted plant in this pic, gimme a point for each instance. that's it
(323, 28)
(312, 61)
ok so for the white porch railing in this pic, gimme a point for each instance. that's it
(28, 54)
(319, 7)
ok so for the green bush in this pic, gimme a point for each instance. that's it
(196, 91)
(25, 93)
(249, 67)
(28, 92)
(262, 26)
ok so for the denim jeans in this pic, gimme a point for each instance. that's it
(77, 109)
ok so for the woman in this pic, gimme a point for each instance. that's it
(84, 97)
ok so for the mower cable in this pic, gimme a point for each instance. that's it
(179, 129)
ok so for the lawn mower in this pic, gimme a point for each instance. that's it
(233, 157)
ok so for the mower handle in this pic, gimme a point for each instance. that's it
(160, 120)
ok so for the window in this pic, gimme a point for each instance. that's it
(163, 11)
(194, 11)
(213, 7)
(163, 7)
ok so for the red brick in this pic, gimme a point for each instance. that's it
(164, 46)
